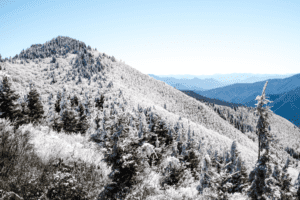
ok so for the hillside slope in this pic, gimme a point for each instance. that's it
(136, 88)
(133, 104)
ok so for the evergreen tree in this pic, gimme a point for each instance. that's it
(22, 116)
(125, 168)
(234, 156)
(239, 181)
(8, 101)
(297, 187)
(57, 103)
(69, 121)
(99, 102)
(286, 182)
(205, 177)
(260, 188)
(82, 124)
(194, 163)
(57, 125)
(97, 120)
(74, 101)
(35, 107)
(220, 182)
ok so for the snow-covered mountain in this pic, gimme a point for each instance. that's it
(69, 66)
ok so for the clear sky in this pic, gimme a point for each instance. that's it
(165, 37)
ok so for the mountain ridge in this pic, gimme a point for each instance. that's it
(68, 67)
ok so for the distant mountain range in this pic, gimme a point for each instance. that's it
(283, 92)
(207, 82)
(209, 100)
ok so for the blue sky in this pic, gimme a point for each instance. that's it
(165, 37)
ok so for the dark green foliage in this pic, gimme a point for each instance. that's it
(57, 103)
(97, 120)
(35, 107)
(69, 121)
(22, 116)
(57, 125)
(8, 101)
(74, 101)
(239, 180)
(99, 102)
(82, 124)
(173, 174)
(193, 160)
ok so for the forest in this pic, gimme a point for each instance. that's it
(79, 124)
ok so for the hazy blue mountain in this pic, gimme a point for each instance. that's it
(207, 82)
(243, 92)
(189, 84)
(229, 77)
(283, 92)
(209, 100)
(286, 105)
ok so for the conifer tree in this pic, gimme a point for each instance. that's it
(99, 101)
(260, 188)
(286, 182)
(205, 177)
(82, 124)
(69, 121)
(297, 187)
(220, 182)
(74, 101)
(35, 107)
(125, 168)
(8, 101)
(57, 103)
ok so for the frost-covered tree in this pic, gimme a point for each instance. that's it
(285, 181)
(297, 187)
(127, 158)
(205, 177)
(260, 187)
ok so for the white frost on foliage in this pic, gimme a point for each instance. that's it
(149, 148)
(170, 160)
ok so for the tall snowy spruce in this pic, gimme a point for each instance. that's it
(260, 186)
(8, 101)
